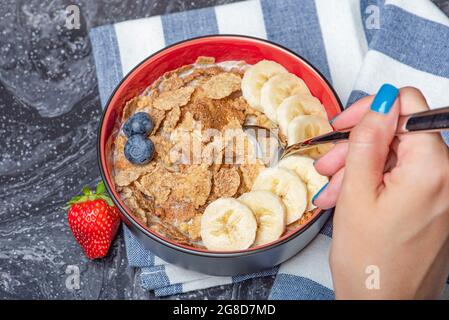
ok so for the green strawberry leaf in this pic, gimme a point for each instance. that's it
(86, 191)
(88, 195)
(107, 200)
(100, 188)
(74, 200)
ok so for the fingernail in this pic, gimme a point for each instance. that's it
(385, 98)
(318, 193)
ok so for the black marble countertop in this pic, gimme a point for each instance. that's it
(49, 114)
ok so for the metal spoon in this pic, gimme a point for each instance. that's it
(426, 121)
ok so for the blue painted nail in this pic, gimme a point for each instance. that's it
(385, 98)
(318, 193)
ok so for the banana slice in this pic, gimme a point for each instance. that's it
(228, 225)
(319, 151)
(305, 127)
(288, 186)
(269, 212)
(255, 77)
(299, 104)
(304, 168)
(279, 87)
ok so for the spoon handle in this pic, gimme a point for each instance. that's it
(426, 121)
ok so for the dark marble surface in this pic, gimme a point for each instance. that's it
(49, 113)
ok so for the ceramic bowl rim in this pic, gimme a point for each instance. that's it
(172, 244)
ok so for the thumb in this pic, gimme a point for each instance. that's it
(369, 143)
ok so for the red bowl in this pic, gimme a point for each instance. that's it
(222, 48)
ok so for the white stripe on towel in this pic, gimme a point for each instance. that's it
(210, 282)
(137, 39)
(158, 261)
(344, 40)
(379, 69)
(179, 275)
(245, 18)
(312, 262)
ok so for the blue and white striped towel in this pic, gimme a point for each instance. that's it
(357, 44)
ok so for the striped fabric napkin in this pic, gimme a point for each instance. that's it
(356, 44)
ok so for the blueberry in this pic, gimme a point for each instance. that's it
(138, 123)
(139, 149)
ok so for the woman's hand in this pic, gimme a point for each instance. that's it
(392, 202)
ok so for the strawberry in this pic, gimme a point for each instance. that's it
(94, 221)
